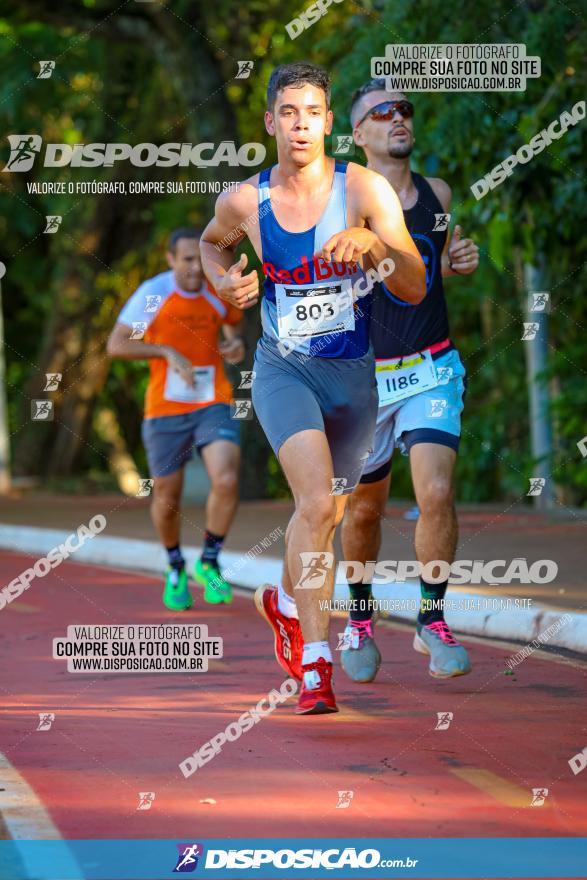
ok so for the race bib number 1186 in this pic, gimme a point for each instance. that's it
(398, 378)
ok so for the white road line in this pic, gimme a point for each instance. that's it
(27, 819)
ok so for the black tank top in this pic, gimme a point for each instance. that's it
(398, 328)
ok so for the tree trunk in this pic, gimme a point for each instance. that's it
(74, 340)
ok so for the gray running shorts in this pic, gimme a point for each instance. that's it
(334, 395)
(169, 440)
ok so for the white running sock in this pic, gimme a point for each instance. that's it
(314, 650)
(285, 604)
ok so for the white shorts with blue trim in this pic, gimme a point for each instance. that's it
(433, 416)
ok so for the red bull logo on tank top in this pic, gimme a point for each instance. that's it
(315, 269)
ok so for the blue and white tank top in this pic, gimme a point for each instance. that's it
(311, 305)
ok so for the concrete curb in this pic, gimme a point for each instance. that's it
(482, 615)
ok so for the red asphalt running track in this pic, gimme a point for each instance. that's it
(115, 735)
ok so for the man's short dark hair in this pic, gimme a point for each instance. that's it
(295, 76)
(373, 85)
(182, 232)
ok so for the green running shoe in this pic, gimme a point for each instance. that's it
(216, 589)
(177, 596)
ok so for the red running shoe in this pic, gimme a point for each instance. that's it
(289, 643)
(316, 696)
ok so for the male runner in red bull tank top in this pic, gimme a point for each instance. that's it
(314, 223)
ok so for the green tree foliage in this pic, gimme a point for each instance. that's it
(536, 215)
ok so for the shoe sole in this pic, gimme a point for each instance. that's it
(362, 680)
(182, 608)
(320, 708)
(202, 583)
(260, 605)
(421, 647)
(217, 601)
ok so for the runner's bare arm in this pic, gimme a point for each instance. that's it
(384, 236)
(232, 348)
(443, 193)
(121, 345)
(234, 211)
(460, 256)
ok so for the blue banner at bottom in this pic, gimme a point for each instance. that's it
(283, 859)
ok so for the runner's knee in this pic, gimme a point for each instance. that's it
(317, 511)
(166, 496)
(434, 498)
(363, 513)
(225, 483)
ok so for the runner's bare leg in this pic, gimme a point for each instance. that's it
(361, 527)
(307, 463)
(432, 469)
(165, 507)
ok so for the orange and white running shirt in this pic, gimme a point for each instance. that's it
(161, 313)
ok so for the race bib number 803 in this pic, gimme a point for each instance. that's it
(306, 310)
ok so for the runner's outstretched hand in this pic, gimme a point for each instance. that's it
(350, 244)
(233, 350)
(181, 365)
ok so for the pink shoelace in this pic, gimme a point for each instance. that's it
(440, 629)
(364, 628)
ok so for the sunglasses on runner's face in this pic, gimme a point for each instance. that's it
(386, 110)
